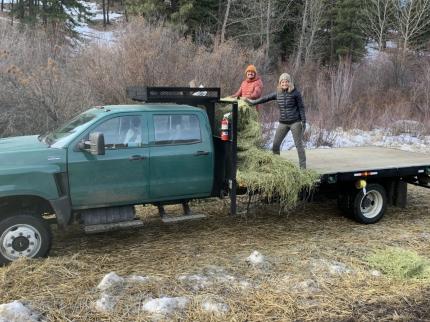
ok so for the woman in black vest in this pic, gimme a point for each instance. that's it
(292, 115)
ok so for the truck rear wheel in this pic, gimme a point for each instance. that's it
(23, 236)
(369, 207)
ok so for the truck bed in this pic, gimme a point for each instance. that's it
(355, 159)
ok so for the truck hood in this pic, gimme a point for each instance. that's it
(28, 152)
(21, 143)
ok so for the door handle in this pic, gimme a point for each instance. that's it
(198, 153)
(136, 158)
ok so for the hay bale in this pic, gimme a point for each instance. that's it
(272, 176)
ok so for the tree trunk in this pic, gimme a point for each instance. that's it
(107, 12)
(11, 10)
(299, 53)
(219, 19)
(104, 12)
(44, 13)
(268, 23)
(224, 24)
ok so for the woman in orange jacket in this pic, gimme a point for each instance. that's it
(252, 86)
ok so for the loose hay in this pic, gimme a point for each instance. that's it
(263, 172)
(64, 286)
(400, 263)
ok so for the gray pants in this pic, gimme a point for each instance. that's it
(297, 131)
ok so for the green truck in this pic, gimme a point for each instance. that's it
(101, 164)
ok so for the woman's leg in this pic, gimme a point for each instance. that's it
(281, 133)
(297, 131)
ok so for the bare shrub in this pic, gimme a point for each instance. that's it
(333, 92)
(157, 55)
(40, 86)
(421, 95)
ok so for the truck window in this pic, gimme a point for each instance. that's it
(121, 132)
(177, 129)
(73, 126)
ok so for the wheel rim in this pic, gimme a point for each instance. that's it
(371, 204)
(20, 241)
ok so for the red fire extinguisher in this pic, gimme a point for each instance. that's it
(224, 129)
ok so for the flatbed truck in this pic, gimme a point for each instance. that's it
(165, 150)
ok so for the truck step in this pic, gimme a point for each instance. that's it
(170, 219)
(107, 215)
(100, 228)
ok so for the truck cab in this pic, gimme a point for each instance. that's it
(99, 165)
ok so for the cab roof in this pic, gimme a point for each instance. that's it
(150, 107)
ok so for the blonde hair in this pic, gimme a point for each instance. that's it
(288, 78)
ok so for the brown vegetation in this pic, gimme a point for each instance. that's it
(44, 81)
(315, 267)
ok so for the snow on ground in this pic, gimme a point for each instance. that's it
(112, 286)
(18, 312)
(106, 302)
(110, 280)
(165, 305)
(85, 29)
(330, 266)
(256, 258)
(213, 275)
(354, 138)
(215, 307)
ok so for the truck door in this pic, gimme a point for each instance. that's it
(181, 156)
(118, 177)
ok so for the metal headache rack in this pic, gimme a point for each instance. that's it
(225, 151)
(179, 95)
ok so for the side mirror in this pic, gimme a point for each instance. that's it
(83, 145)
(97, 143)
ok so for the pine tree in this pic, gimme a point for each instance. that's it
(50, 12)
(349, 40)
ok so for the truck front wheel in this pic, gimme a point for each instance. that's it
(23, 236)
(369, 206)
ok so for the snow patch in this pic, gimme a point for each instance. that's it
(165, 305)
(309, 286)
(256, 258)
(106, 303)
(18, 312)
(425, 235)
(197, 282)
(112, 286)
(404, 136)
(216, 308)
(333, 267)
(110, 280)
(138, 279)
(212, 276)
(337, 268)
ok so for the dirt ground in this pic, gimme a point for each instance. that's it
(314, 267)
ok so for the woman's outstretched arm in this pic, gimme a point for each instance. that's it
(264, 99)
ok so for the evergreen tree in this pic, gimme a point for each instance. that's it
(349, 40)
(328, 49)
(50, 12)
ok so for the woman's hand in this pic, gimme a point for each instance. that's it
(249, 101)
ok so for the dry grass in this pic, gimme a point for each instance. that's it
(300, 280)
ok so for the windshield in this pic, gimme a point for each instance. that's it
(73, 126)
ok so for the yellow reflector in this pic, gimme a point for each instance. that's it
(360, 184)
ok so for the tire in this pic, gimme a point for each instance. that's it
(24, 235)
(370, 207)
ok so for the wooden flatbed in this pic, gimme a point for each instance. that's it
(366, 179)
(356, 159)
